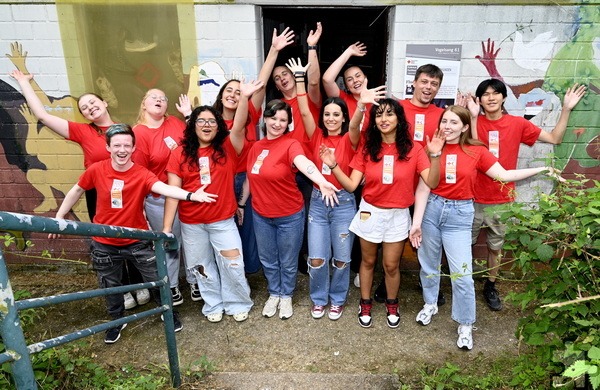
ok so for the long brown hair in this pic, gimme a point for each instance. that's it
(465, 117)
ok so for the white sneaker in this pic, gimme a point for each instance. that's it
(285, 308)
(357, 281)
(424, 316)
(130, 303)
(465, 337)
(270, 306)
(142, 296)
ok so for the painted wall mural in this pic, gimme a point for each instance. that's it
(540, 100)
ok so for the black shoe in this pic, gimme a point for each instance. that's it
(441, 299)
(381, 292)
(114, 334)
(177, 325)
(492, 297)
(176, 295)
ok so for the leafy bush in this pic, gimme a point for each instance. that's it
(556, 244)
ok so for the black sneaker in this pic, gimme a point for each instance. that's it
(177, 325)
(492, 297)
(381, 292)
(364, 313)
(176, 295)
(195, 292)
(113, 334)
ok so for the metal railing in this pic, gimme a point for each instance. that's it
(18, 352)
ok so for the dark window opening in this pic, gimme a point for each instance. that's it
(341, 28)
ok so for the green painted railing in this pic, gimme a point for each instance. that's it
(18, 352)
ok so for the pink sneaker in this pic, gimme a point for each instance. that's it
(335, 312)
(317, 311)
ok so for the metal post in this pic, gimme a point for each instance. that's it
(167, 301)
(12, 334)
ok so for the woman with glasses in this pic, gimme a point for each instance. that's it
(157, 135)
(207, 159)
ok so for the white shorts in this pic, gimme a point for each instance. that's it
(380, 225)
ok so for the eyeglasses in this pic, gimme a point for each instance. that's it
(159, 98)
(204, 122)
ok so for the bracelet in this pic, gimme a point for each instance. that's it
(241, 206)
(312, 47)
(189, 196)
(301, 94)
(363, 109)
(333, 167)
(299, 74)
(435, 155)
(299, 79)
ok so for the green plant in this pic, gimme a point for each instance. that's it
(557, 247)
(198, 369)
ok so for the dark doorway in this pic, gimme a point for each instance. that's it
(341, 28)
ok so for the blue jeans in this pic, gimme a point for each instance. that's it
(251, 260)
(448, 223)
(327, 230)
(279, 240)
(108, 262)
(220, 278)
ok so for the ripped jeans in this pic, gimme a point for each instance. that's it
(220, 275)
(328, 231)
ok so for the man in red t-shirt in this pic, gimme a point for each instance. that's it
(122, 187)
(503, 134)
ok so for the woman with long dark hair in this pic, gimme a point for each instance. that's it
(388, 161)
(208, 158)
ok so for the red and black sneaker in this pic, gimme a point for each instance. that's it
(364, 313)
(393, 316)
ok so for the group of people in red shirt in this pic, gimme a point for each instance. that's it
(235, 200)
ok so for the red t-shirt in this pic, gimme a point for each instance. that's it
(458, 170)
(218, 176)
(254, 117)
(92, 143)
(123, 207)
(422, 121)
(153, 147)
(352, 103)
(391, 186)
(272, 177)
(503, 138)
(342, 150)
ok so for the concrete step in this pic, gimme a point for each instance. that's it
(298, 381)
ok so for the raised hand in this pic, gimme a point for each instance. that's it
(314, 35)
(357, 49)
(282, 40)
(436, 144)
(17, 56)
(488, 59)
(248, 89)
(296, 66)
(372, 95)
(327, 156)
(184, 106)
(469, 102)
(20, 76)
(573, 96)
